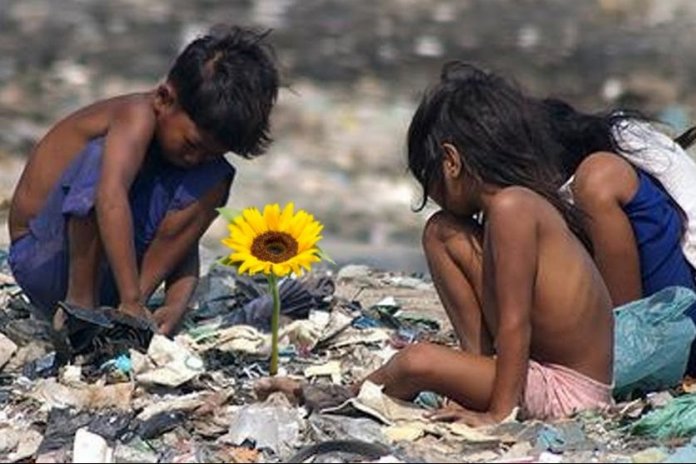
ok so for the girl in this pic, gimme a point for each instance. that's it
(528, 304)
(530, 308)
(636, 186)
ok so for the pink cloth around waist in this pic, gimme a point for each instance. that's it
(553, 391)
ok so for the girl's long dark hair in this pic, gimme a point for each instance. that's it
(580, 134)
(502, 136)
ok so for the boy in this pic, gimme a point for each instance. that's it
(532, 312)
(114, 199)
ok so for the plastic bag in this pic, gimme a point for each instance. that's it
(652, 340)
(676, 419)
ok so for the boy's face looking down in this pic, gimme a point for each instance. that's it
(182, 143)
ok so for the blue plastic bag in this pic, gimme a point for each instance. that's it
(652, 340)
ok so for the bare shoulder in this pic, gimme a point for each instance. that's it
(604, 176)
(514, 201)
(514, 208)
(134, 105)
(96, 119)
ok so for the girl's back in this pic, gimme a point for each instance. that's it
(571, 316)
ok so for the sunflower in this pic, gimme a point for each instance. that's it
(275, 242)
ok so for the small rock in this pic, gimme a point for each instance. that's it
(353, 272)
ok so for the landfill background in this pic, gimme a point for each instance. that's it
(353, 73)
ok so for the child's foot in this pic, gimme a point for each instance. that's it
(291, 388)
(60, 337)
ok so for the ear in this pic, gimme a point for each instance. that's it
(452, 161)
(165, 97)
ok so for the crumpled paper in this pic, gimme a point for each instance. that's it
(167, 363)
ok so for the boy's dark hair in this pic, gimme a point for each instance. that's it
(502, 136)
(227, 83)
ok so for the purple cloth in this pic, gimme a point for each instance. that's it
(39, 259)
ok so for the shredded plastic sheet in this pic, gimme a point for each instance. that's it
(676, 419)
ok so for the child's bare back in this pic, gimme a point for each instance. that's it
(59, 147)
(571, 317)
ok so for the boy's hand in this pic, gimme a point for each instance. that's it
(138, 311)
(167, 318)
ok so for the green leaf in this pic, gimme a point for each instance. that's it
(324, 256)
(229, 213)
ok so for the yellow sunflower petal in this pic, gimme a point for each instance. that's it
(255, 220)
(228, 242)
(236, 246)
(245, 228)
(306, 258)
(308, 237)
(280, 269)
(306, 243)
(243, 267)
(236, 233)
(260, 266)
(271, 215)
(242, 256)
(298, 223)
(296, 268)
(286, 217)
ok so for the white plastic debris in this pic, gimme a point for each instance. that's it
(91, 448)
(7, 349)
(170, 363)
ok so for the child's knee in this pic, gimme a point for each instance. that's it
(415, 361)
(444, 232)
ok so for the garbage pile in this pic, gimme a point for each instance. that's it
(192, 398)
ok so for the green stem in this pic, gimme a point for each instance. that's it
(275, 318)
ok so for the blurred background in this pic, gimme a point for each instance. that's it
(353, 70)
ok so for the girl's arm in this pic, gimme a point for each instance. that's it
(510, 266)
(603, 184)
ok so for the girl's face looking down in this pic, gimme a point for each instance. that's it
(459, 191)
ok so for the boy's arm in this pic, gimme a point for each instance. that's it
(179, 289)
(127, 141)
(510, 263)
(173, 253)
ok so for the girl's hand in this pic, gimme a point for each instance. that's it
(456, 413)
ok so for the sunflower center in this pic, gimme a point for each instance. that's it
(275, 247)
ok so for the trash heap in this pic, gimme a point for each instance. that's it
(192, 398)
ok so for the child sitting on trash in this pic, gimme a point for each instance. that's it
(532, 313)
(637, 187)
(115, 197)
